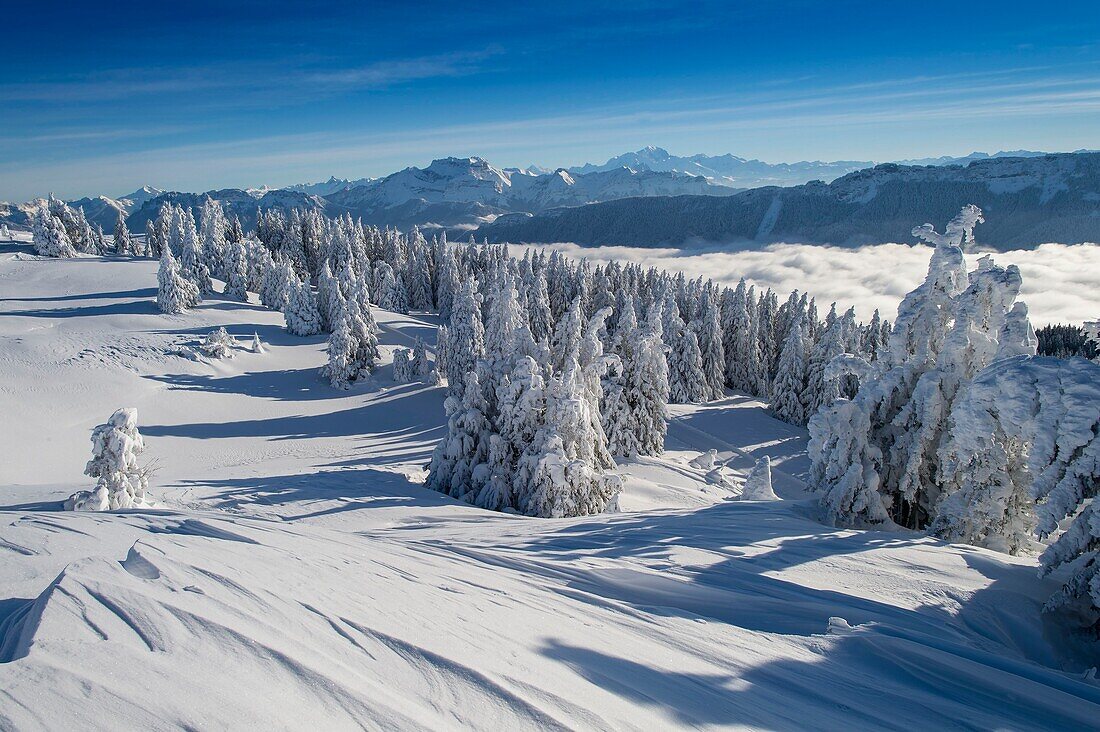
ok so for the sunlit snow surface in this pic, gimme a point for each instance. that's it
(296, 574)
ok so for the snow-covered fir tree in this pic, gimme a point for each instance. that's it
(1024, 454)
(820, 391)
(363, 326)
(212, 235)
(193, 262)
(175, 293)
(418, 282)
(636, 390)
(421, 366)
(121, 482)
(790, 380)
(402, 366)
(235, 271)
(301, 313)
(465, 449)
(49, 236)
(330, 297)
(566, 341)
(465, 339)
(686, 380)
(707, 328)
(562, 482)
(342, 367)
(123, 243)
(876, 457)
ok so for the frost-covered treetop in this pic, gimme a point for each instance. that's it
(958, 232)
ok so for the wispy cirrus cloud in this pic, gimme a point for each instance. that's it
(295, 77)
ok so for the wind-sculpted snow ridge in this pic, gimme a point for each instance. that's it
(296, 572)
(1051, 198)
(721, 616)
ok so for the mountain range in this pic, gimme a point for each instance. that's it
(464, 194)
(1027, 201)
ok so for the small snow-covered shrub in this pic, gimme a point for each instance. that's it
(758, 485)
(257, 345)
(705, 460)
(218, 344)
(122, 482)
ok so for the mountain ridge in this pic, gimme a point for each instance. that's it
(1028, 201)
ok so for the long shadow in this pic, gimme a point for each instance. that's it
(37, 506)
(858, 681)
(297, 385)
(271, 334)
(133, 307)
(1004, 618)
(142, 293)
(977, 660)
(417, 416)
(407, 334)
(354, 489)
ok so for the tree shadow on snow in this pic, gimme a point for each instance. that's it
(978, 660)
(861, 680)
(132, 307)
(416, 414)
(148, 292)
(274, 335)
(297, 385)
(353, 489)
(745, 589)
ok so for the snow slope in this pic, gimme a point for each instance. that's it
(296, 573)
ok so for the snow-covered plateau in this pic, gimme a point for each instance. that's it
(293, 571)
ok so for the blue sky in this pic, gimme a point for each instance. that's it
(102, 98)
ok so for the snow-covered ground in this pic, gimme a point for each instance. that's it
(296, 573)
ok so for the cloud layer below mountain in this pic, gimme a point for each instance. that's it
(1060, 281)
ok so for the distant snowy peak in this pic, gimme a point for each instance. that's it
(728, 170)
(140, 196)
(461, 192)
(324, 188)
(732, 170)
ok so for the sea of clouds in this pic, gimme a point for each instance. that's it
(1061, 282)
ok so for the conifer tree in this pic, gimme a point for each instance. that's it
(686, 381)
(174, 292)
(124, 244)
(465, 449)
(420, 365)
(301, 313)
(193, 262)
(402, 366)
(121, 481)
(49, 236)
(236, 272)
(465, 337)
(790, 381)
